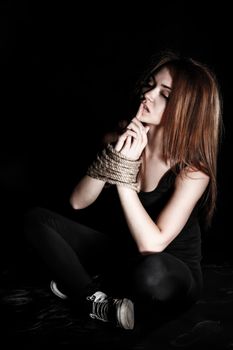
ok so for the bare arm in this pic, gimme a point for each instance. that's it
(149, 235)
(86, 192)
(88, 188)
(153, 236)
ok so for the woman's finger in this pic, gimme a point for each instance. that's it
(120, 142)
(144, 137)
(132, 133)
(139, 124)
(128, 143)
(139, 112)
(135, 127)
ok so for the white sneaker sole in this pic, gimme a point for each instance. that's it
(56, 291)
(125, 314)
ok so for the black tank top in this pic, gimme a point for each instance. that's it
(187, 244)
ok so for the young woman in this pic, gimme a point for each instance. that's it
(162, 175)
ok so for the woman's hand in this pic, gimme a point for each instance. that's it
(133, 141)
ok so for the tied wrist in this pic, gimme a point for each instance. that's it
(115, 168)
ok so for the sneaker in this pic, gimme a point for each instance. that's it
(56, 291)
(118, 311)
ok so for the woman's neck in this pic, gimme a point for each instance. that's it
(153, 149)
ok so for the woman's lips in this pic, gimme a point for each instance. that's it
(146, 108)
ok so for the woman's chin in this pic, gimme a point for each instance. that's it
(143, 119)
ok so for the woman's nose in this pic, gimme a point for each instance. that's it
(150, 95)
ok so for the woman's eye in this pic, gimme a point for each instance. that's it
(165, 96)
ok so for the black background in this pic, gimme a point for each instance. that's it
(63, 84)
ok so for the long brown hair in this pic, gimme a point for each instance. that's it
(191, 120)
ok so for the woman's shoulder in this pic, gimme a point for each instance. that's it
(191, 176)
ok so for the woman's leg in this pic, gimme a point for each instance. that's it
(163, 284)
(71, 251)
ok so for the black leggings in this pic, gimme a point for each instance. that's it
(75, 254)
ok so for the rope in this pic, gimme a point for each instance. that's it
(115, 168)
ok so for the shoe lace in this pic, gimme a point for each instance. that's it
(100, 310)
(108, 309)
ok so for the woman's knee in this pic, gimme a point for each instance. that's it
(33, 214)
(33, 219)
(37, 215)
(160, 277)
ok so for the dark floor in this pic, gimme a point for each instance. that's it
(32, 316)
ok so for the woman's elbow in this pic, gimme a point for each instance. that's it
(145, 250)
(75, 204)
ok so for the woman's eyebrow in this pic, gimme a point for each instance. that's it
(166, 86)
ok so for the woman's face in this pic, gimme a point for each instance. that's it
(156, 98)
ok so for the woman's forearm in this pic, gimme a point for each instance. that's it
(145, 232)
(86, 192)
